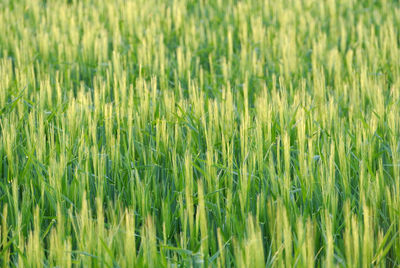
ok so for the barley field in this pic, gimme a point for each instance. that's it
(194, 133)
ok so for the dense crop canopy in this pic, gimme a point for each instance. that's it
(200, 133)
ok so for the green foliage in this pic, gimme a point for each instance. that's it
(148, 133)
